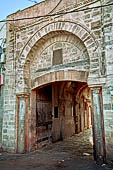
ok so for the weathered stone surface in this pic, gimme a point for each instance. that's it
(96, 24)
(1, 111)
(86, 40)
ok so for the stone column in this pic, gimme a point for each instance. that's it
(22, 123)
(77, 118)
(82, 114)
(98, 125)
(56, 124)
(32, 145)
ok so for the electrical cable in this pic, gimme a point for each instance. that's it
(60, 13)
(55, 6)
(33, 1)
(2, 38)
(2, 27)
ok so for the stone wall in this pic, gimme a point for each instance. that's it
(107, 61)
(30, 46)
(9, 119)
(74, 56)
(1, 111)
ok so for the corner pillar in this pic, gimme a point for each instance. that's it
(22, 122)
(98, 125)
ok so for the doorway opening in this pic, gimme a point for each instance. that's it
(44, 113)
(63, 109)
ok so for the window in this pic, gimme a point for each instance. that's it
(57, 57)
(55, 112)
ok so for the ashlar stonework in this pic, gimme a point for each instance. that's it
(59, 75)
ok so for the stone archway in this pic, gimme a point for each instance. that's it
(66, 76)
(69, 74)
(54, 78)
(40, 59)
(71, 27)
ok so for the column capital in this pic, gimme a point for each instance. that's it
(96, 89)
(22, 95)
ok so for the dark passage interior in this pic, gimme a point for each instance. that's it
(63, 110)
(44, 113)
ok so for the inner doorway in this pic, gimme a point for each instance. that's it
(63, 109)
(44, 113)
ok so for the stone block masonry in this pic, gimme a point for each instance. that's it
(85, 41)
(1, 112)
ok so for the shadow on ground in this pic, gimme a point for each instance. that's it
(74, 153)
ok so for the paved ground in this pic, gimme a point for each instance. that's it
(74, 153)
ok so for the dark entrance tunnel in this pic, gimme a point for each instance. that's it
(63, 109)
(44, 113)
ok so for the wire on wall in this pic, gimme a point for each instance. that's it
(60, 13)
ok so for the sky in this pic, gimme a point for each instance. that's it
(8, 7)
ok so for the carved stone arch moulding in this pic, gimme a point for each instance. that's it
(40, 57)
(74, 28)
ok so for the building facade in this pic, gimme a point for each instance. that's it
(2, 62)
(59, 75)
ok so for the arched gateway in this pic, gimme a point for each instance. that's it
(54, 67)
(61, 31)
(59, 57)
(52, 105)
